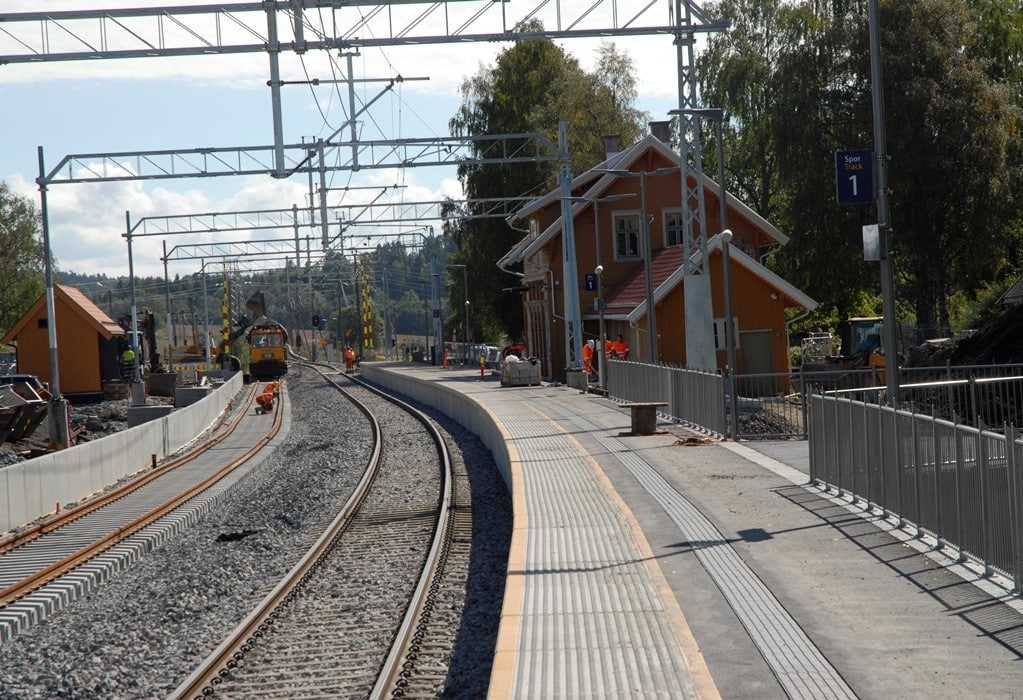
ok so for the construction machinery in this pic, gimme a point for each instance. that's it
(862, 343)
(192, 353)
(267, 342)
(184, 352)
(268, 351)
(143, 340)
(857, 361)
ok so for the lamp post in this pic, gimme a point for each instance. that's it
(646, 249)
(466, 353)
(465, 297)
(599, 271)
(435, 282)
(426, 320)
(718, 116)
(601, 356)
(110, 299)
(648, 271)
(883, 213)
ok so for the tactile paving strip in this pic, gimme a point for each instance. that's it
(800, 667)
(592, 624)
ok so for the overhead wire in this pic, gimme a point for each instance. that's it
(399, 105)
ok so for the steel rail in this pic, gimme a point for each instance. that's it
(207, 676)
(76, 559)
(219, 663)
(393, 673)
(93, 504)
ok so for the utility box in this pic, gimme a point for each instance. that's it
(137, 415)
(161, 384)
(524, 373)
(577, 379)
(188, 395)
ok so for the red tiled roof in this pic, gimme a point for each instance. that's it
(93, 312)
(631, 291)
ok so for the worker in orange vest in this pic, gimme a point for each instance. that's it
(588, 358)
(349, 360)
(620, 348)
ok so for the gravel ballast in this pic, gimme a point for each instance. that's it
(143, 632)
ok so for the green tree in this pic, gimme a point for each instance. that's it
(410, 314)
(951, 132)
(780, 78)
(533, 85)
(24, 257)
(794, 80)
(998, 42)
(816, 114)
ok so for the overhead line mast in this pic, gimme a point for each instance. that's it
(226, 28)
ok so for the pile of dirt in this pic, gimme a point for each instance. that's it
(88, 422)
(1000, 341)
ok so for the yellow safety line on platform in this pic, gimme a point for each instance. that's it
(503, 675)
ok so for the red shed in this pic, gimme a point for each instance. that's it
(88, 343)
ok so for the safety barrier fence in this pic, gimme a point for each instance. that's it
(773, 406)
(960, 486)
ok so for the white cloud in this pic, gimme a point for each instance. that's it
(185, 102)
(88, 222)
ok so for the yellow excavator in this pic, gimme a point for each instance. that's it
(195, 352)
(861, 346)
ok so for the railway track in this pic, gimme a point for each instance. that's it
(349, 618)
(45, 567)
(148, 627)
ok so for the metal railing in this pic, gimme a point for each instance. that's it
(959, 484)
(773, 406)
(697, 398)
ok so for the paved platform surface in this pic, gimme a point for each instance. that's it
(675, 565)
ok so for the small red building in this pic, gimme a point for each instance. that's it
(612, 240)
(88, 343)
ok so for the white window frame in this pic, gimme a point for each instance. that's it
(622, 215)
(719, 333)
(678, 228)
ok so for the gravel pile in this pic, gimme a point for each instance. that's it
(142, 633)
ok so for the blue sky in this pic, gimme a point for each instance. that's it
(181, 103)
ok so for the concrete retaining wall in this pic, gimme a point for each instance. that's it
(34, 488)
(458, 406)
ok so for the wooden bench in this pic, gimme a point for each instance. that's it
(644, 416)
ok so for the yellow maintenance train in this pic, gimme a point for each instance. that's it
(267, 350)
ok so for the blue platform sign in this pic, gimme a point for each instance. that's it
(591, 282)
(854, 176)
